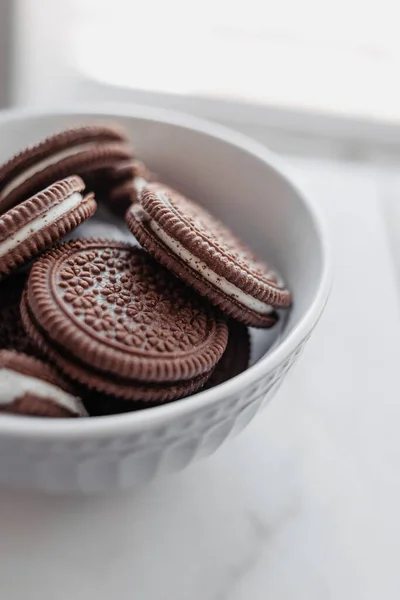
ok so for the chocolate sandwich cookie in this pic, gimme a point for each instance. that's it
(118, 187)
(114, 320)
(235, 360)
(127, 394)
(12, 333)
(30, 387)
(203, 252)
(37, 223)
(72, 152)
(129, 179)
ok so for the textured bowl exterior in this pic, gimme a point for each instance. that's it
(109, 463)
(119, 451)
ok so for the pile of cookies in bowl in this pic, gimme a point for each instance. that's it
(98, 326)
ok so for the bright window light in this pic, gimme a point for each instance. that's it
(341, 57)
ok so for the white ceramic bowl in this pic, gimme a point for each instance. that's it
(240, 181)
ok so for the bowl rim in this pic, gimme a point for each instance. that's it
(146, 419)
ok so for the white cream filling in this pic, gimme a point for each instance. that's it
(202, 268)
(14, 385)
(51, 215)
(37, 167)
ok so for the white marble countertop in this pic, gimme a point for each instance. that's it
(303, 505)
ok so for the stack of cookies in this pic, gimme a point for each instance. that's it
(98, 326)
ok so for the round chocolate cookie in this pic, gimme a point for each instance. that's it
(236, 357)
(72, 152)
(37, 223)
(199, 249)
(118, 187)
(110, 316)
(235, 360)
(130, 179)
(12, 333)
(28, 386)
(118, 391)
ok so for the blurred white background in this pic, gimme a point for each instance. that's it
(303, 76)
